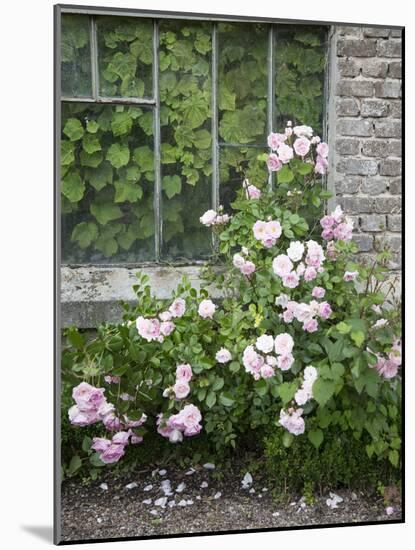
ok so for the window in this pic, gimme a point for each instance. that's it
(159, 120)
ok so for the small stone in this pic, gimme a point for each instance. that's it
(154, 472)
(189, 502)
(264, 489)
(147, 501)
(204, 484)
(132, 485)
(353, 496)
(162, 501)
(389, 510)
(190, 472)
(162, 472)
(209, 466)
(333, 501)
(182, 503)
(259, 496)
(104, 486)
(171, 503)
(252, 491)
(217, 495)
(148, 488)
(180, 488)
(154, 512)
(198, 497)
(99, 520)
(247, 481)
(275, 514)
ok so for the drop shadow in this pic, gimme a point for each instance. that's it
(43, 532)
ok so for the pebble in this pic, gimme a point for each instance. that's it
(147, 501)
(162, 501)
(275, 514)
(99, 520)
(209, 466)
(389, 510)
(171, 503)
(132, 485)
(148, 488)
(180, 488)
(204, 484)
(162, 472)
(182, 502)
(217, 495)
(198, 497)
(264, 489)
(154, 512)
(247, 480)
(104, 486)
(333, 501)
(353, 496)
(252, 491)
(190, 472)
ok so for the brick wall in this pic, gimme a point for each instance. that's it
(365, 133)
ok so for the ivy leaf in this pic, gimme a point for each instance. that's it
(172, 185)
(84, 234)
(195, 110)
(261, 388)
(285, 175)
(323, 390)
(67, 152)
(105, 212)
(132, 173)
(73, 187)
(121, 123)
(118, 155)
(73, 129)
(202, 139)
(132, 86)
(316, 437)
(127, 192)
(91, 144)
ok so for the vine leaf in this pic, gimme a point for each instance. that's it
(316, 437)
(127, 192)
(84, 234)
(73, 129)
(91, 161)
(73, 187)
(226, 99)
(118, 155)
(91, 144)
(121, 123)
(105, 212)
(99, 177)
(67, 152)
(172, 185)
(202, 139)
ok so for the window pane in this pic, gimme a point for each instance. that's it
(107, 179)
(235, 164)
(300, 55)
(185, 96)
(75, 56)
(125, 57)
(242, 82)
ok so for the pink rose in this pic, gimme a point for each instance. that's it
(325, 310)
(208, 218)
(120, 438)
(343, 232)
(310, 273)
(303, 131)
(181, 389)
(206, 309)
(178, 307)
(82, 418)
(165, 316)
(190, 418)
(275, 140)
(327, 222)
(350, 275)
(252, 192)
(238, 261)
(283, 344)
(282, 265)
(273, 229)
(288, 316)
(285, 153)
(167, 327)
(318, 292)
(301, 396)
(223, 356)
(327, 234)
(260, 229)
(322, 150)
(111, 422)
(149, 329)
(290, 280)
(136, 439)
(100, 444)
(184, 372)
(321, 165)
(267, 371)
(248, 268)
(285, 361)
(112, 454)
(273, 162)
(311, 325)
(87, 397)
(302, 146)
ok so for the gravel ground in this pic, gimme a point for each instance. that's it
(137, 506)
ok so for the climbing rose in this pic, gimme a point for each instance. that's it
(343, 232)
(302, 146)
(259, 228)
(100, 444)
(318, 292)
(324, 310)
(282, 265)
(238, 261)
(275, 140)
(285, 153)
(112, 454)
(265, 343)
(273, 162)
(165, 316)
(149, 329)
(82, 418)
(290, 280)
(223, 356)
(87, 397)
(350, 275)
(321, 165)
(386, 368)
(178, 307)
(120, 438)
(206, 309)
(310, 274)
(184, 372)
(208, 218)
(181, 389)
(311, 325)
(303, 131)
(252, 192)
(295, 251)
(284, 362)
(190, 418)
(284, 343)
(166, 328)
(323, 150)
(292, 421)
(267, 371)
(327, 222)
(248, 268)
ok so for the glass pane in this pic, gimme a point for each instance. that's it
(75, 56)
(242, 82)
(300, 56)
(185, 96)
(125, 57)
(236, 164)
(107, 177)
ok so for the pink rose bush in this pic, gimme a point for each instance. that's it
(298, 334)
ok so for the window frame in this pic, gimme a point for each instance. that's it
(154, 102)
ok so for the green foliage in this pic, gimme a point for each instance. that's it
(107, 151)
